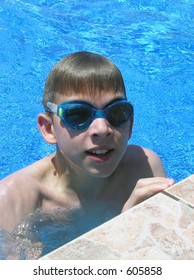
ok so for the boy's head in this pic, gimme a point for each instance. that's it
(91, 121)
(85, 74)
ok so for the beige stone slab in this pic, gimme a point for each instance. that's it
(158, 228)
(183, 191)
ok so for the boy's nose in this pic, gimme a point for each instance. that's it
(100, 127)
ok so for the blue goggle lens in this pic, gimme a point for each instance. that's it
(119, 113)
(77, 116)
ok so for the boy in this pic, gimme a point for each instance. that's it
(89, 119)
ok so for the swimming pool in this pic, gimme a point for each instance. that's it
(152, 42)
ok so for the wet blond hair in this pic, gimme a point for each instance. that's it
(85, 74)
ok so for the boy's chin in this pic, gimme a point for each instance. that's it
(101, 173)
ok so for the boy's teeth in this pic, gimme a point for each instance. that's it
(99, 152)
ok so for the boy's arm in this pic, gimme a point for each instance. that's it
(18, 198)
(147, 187)
(7, 208)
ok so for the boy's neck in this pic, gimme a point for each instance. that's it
(86, 187)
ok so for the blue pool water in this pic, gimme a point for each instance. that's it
(152, 42)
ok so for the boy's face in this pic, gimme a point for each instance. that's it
(98, 149)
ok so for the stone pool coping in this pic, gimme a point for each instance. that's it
(160, 228)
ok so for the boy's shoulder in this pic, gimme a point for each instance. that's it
(18, 185)
(20, 193)
(144, 161)
(136, 153)
(25, 180)
(31, 173)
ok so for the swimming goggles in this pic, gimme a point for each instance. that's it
(79, 114)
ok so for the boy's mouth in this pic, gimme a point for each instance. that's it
(99, 152)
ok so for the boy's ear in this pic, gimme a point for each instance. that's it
(45, 126)
(131, 126)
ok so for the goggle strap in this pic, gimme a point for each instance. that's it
(52, 107)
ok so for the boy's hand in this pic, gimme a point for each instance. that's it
(145, 188)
